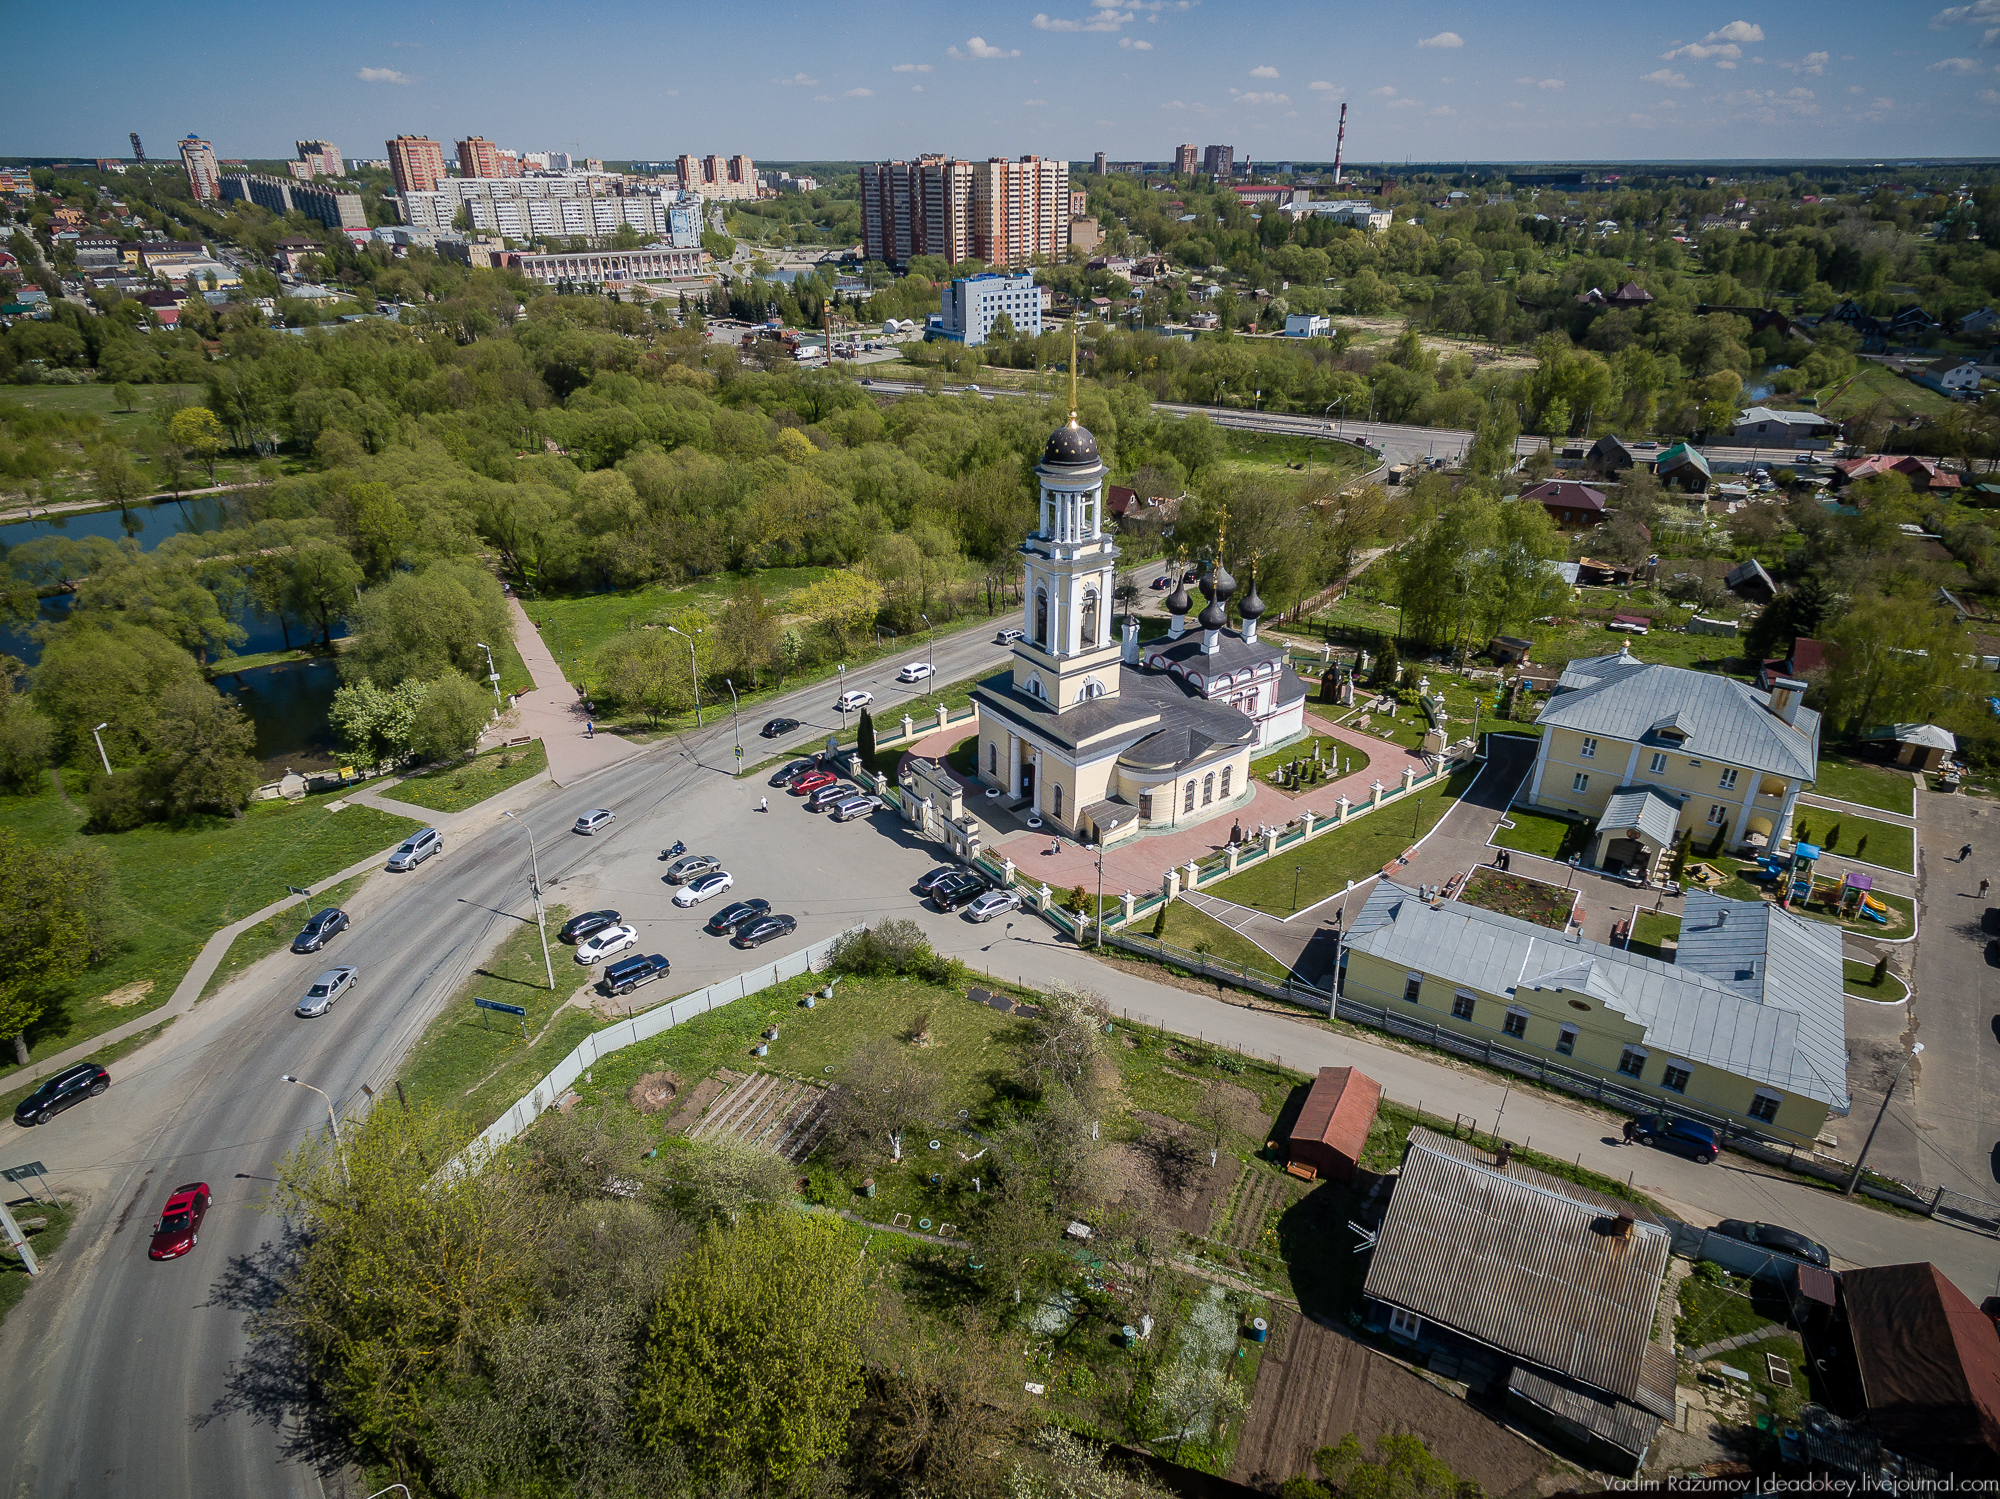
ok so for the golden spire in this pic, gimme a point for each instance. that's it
(1072, 369)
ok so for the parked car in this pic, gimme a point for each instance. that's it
(937, 877)
(579, 927)
(961, 889)
(1771, 1236)
(60, 1091)
(594, 821)
(778, 726)
(849, 701)
(689, 866)
(602, 944)
(416, 848)
(179, 1228)
(832, 794)
(793, 771)
(763, 929)
(1007, 637)
(733, 915)
(699, 890)
(627, 974)
(916, 671)
(811, 781)
(324, 991)
(1681, 1136)
(320, 928)
(1626, 626)
(855, 806)
(994, 903)
(1163, 582)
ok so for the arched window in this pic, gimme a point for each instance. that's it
(1208, 788)
(1225, 781)
(1092, 687)
(1055, 802)
(1041, 618)
(1034, 686)
(1187, 802)
(993, 759)
(1089, 618)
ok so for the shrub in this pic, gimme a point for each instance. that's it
(118, 803)
(896, 947)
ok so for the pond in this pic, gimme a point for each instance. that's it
(288, 704)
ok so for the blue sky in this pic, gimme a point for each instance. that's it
(612, 78)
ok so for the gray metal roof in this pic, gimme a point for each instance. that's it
(1624, 1426)
(1793, 1037)
(1621, 697)
(1526, 1264)
(1647, 808)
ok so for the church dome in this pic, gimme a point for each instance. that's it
(1071, 446)
(1178, 601)
(1214, 617)
(1252, 606)
(1218, 586)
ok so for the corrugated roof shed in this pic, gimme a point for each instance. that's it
(1647, 808)
(1929, 1362)
(1333, 1124)
(1527, 1264)
(1623, 1425)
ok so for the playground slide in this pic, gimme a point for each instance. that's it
(1874, 910)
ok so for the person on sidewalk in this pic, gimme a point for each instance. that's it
(1982, 888)
(1631, 1129)
(763, 804)
(1965, 853)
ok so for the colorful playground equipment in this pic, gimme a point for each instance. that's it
(1857, 901)
(1792, 875)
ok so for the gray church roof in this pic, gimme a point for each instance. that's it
(1622, 697)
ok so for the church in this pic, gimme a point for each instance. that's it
(1098, 736)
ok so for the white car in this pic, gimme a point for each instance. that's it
(326, 989)
(1626, 627)
(601, 945)
(849, 701)
(916, 671)
(1007, 637)
(698, 890)
(994, 903)
(595, 821)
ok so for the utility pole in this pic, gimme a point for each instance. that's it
(535, 886)
(18, 1241)
(1854, 1176)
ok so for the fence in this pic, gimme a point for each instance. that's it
(1241, 975)
(599, 1044)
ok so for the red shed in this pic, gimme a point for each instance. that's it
(1333, 1126)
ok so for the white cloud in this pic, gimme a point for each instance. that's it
(1981, 13)
(1727, 67)
(1891, 103)
(383, 75)
(1263, 98)
(1855, 88)
(916, 88)
(1034, 103)
(1173, 104)
(798, 79)
(1267, 71)
(1384, 92)
(1813, 64)
(1443, 39)
(1666, 78)
(1444, 109)
(1737, 31)
(912, 67)
(977, 47)
(822, 98)
(1108, 18)
(1135, 45)
(859, 93)
(1320, 86)
(1697, 52)
(1956, 65)
(1402, 104)
(1550, 85)
(1986, 96)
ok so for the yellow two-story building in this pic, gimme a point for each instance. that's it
(1645, 753)
(1748, 1025)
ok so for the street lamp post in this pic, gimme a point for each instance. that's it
(735, 723)
(339, 1149)
(97, 734)
(930, 652)
(840, 681)
(492, 672)
(694, 681)
(1854, 1176)
(535, 887)
(1098, 924)
(1297, 870)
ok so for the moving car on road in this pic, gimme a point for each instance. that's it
(696, 891)
(961, 889)
(778, 726)
(594, 821)
(1681, 1136)
(320, 928)
(994, 903)
(916, 671)
(579, 927)
(763, 929)
(325, 991)
(689, 866)
(1771, 1236)
(849, 701)
(66, 1088)
(416, 848)
(627, 974)
(179, 1228)
(601, 945)
(733, 915)
(1007, 637)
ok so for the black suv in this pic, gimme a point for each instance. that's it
(627, 974)
(961, 889)
(71, 1085)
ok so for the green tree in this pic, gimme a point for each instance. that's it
(450, 719)
(27, 738)
(323, 577)
(55, 907)
(374, 723)
(864, 739)
(200, 434)
(425, 624)
(748, 633)
(124, 395)
(1402, 1467)
(108, 672)
(116, 477)
(204, 755)
(752, 1363)
(647, 672)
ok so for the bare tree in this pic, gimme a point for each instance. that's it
(1068, 1038)
(883, 1093)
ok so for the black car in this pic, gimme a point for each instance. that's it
(778, 726)
(71, 1085)
(589, 923)
(1681, 1136)
(1770, 1236)
(960, 890)
(830, 795)
(627, 974)
(762, 930)
(937, 877)
(320, 929)
(735, 914)
(786, 774)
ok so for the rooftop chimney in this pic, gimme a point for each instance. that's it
(1130, 655)
(1786, 693)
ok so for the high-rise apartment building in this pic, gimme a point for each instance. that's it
(479, 157)
(1020, 210)
(1098, 167)
(204, 175)
(417, 163)
(322, 156)
(336, 210)
(715, 177)
(1219, 161)
(1187, 161)
(1006, 213)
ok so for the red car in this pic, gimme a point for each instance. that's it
(808, 784)
(180, 1222)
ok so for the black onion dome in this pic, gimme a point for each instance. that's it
(1178, 601)
(1070, 446)
(1219, 585)
(1252, 606)
(1214, 617)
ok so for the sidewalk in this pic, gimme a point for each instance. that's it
(554, 713)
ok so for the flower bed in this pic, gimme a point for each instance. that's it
(1520, 897)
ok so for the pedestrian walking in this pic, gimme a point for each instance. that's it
(763, 804)
(1965, 853)
(1982, 888)
(1630, 1129)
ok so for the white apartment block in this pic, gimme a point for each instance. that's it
(574, 205)
(973, 304)
(603, 266)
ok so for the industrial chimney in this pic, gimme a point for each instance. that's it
(1339, 143)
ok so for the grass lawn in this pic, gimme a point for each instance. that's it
(1866, 785)
(1345, 759)
(1197, 931)
(277, 931)
(1874, 386)
(1651, 930)
(457, 787)
(126, 426)
(177, 885)
(45, 1241)
(1540, 834)
(1861, 983)
(1354, 852)
(1715, 1305)
(1889, 844)
(1409, 725)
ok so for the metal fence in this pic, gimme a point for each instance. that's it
(1241, 975)
(600, 1044)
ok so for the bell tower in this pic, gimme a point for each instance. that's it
(1069, 650)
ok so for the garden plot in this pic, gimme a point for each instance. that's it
(784, 1115)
